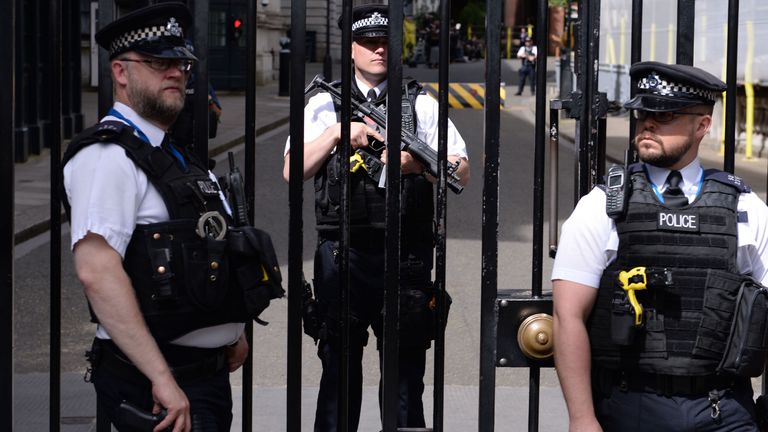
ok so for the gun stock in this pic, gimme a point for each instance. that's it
(409, 142)
(236, 193)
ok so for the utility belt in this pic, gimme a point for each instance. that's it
(186, 363)
(665, 385)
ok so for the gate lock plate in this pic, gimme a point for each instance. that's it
(524, 330)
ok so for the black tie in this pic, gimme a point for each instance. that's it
(673, 195)
(372, 95)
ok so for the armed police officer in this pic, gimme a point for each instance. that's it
(151, 241)
(651, 285)
(322, 134)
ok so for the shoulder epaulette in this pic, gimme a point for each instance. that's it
(727, 179)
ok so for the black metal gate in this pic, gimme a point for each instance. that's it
(504, 313)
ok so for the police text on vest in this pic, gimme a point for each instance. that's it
(678, 221)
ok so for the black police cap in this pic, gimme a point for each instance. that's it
(156, 31)
(369, 21)
(664, 87)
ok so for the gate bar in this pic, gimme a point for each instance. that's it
(686, 11)
(441, 212)
(249, 163)
(296, 223)
(390, 372)
(730, 93)
(105, 15)
(7, 40)
(542, 24)
(55, 105)
(490, 232)
(200, 105)
(635, 56)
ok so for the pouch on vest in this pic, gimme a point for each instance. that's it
(747, 345)
(255, 268)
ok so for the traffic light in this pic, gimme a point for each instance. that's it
(237, 28)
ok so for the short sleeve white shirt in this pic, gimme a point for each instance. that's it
(109, 195)
(589, 239)
(320, 114)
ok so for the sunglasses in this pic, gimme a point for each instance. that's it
(162, 64)
(661, 117)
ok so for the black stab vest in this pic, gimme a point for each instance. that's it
(368, 201)
(181, 279)
(687, 324)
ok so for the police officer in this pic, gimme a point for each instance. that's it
(322, 134)
(696, 234)
(527, 55)
(148, 232)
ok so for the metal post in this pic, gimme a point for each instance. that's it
(391, 350)
(7, 101)
(22, 147)
(441, 211)
(76, 84)
(106, 15)
(589, 14)
(490, 231)
(250, 192)
(327, 61)
(542, 23)
(32, 90)
(296, 224)
(200, 107)
(686, 11)
(635, 56)
(55, 101)
(67, 74)
(346, 122)
(730, 94)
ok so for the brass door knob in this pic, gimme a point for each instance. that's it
(535, 336)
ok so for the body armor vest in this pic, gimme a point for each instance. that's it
(179, 269)
(368, 200)
(687, 321)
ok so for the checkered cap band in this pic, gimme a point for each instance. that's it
(653, 83)
(374, 20)
(129, 38)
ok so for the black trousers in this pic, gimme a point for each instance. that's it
(625, 410)
(366, 262)
(525, 72)
(210, 397)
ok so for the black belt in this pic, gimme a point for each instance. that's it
(668, 385)
(111, 358)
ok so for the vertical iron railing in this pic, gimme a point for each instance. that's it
(441, 213)
(586, 138)
(296, 224)
(542, 24)
(250, 193)
(22, 133)
(686, 12)
(7, 103)
(490, 230)
(730, 94)
(200, 106)
(55, 105)
(635, 56)
(105, 14)
(390, 372)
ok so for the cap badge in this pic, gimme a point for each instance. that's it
(654, 83)
(173, 27)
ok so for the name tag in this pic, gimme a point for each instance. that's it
(678, 221)
(208, 187)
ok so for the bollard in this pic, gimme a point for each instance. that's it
(285, 66)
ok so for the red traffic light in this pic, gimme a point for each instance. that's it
(237, 23)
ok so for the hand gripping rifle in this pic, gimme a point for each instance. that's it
(409, 142)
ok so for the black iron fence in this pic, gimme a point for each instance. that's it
(27, 124)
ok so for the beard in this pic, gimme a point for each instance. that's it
(664, 158)
(153, 106)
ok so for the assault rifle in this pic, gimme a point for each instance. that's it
(409, 142)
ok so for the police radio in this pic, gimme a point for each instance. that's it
(616, 191)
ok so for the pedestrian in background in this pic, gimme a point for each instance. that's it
(527, 55)
(645, 288)
(322, 134)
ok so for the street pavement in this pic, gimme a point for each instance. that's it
(464, 224)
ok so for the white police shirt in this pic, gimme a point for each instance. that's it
(589, 240)
(110, 195)
(319, 115)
